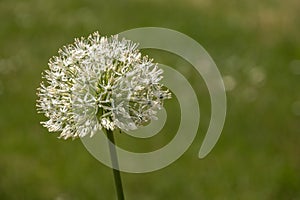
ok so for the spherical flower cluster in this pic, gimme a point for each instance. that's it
(99, 83)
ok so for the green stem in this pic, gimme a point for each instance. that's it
(115, 164)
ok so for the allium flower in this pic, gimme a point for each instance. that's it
(99, 83)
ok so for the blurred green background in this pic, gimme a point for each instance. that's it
(256, 46)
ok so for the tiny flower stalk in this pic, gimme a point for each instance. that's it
(100, 83)
(115, 164)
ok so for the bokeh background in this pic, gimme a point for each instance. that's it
(256, 46)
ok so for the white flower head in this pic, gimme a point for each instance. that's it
(99, 83)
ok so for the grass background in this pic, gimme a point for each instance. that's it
(256, 46)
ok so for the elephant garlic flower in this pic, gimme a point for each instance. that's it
(99, 83)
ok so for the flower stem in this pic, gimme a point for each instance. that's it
(115, 164)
